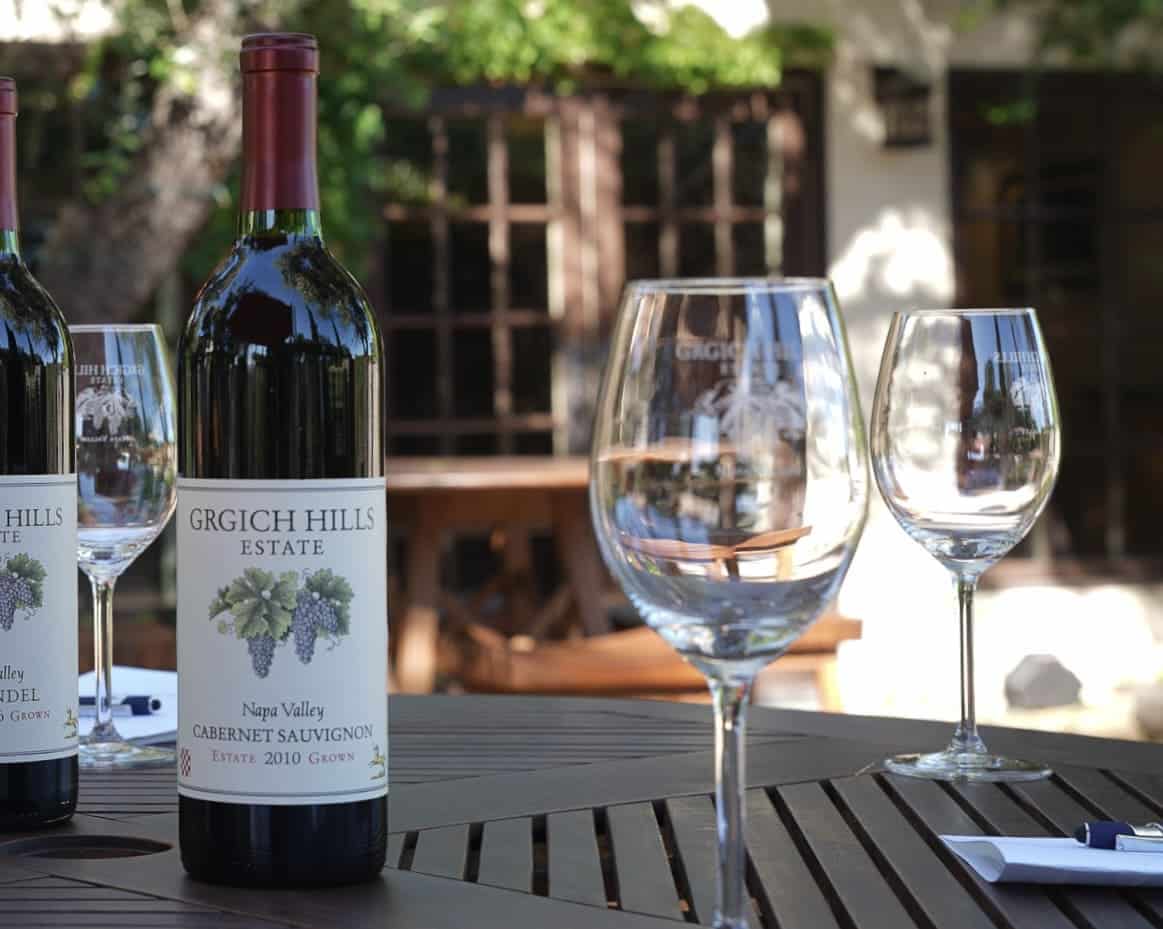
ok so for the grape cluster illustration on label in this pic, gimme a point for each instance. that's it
(266, 610)
(21, 588)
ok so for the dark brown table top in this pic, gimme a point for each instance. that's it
(518, 811)
(491, 473)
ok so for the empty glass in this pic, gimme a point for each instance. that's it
(126, 469)
(729, 486)
(965, 447)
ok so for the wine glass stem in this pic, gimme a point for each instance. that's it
(730, 700)
(103, 729)
(966, 739)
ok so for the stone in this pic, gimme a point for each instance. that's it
(1149, 710)
(1041, 681)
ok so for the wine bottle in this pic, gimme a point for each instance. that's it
(38, 531)
(282, 602)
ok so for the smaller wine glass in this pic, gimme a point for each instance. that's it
(126, 473)
(965, 449)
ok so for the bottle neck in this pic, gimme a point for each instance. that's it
(9, 240)
(279, 223)
(280, 188)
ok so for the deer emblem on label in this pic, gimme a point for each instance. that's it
(379, 762)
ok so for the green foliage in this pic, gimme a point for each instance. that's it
(697, 55)
(1100, 33)
(510, 41)
(116, 86)
(378, 54)
(1018, 112)
(219, 605)
(1089, 33)
(259, 603)
(564, 43)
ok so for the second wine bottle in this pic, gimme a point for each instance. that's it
(38, 531)
(282, 612)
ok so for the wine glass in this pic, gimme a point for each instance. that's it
(728, 489)
(126, 473)
(965, 447)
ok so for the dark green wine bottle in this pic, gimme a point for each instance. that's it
(282, 615)
(38, 531)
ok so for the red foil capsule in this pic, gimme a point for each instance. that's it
(278, 121)
(7, 154)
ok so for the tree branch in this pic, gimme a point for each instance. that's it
(103, 261)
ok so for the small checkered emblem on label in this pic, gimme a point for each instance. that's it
(184, 761)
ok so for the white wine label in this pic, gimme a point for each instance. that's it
(282, 641)
(38, 617)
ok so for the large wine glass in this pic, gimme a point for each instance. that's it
(126, 470)
(729, 486)
(965, 446)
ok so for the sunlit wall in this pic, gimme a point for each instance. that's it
(890, 247)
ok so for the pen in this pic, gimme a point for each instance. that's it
(89, 710)
(140, 706)
(1104, 834)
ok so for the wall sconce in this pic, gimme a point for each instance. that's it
(904, 105)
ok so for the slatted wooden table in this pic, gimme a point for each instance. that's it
(513, 812)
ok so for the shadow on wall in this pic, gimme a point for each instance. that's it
(890, 245)
(890, 249)
(899, 261)
(889, 229)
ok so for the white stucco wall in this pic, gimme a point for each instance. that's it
(53, 20)
(890, 247)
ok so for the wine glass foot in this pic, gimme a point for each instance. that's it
(967, 766)
(119, 754)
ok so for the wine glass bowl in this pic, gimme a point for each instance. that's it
(729, 486)
(126, 490)
(965, 449)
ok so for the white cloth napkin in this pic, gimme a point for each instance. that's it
(160, 727)
(1055, 861)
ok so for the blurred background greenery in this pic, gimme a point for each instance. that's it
(493, 170)
(129, 141)
(95, 107)
(90, 117)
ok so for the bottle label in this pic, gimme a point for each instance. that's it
(282, 641)
(38, 617)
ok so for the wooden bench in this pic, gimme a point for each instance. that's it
(437, 497)
(433, 498)
(633, 662)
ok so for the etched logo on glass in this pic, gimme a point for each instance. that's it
(103, 413)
